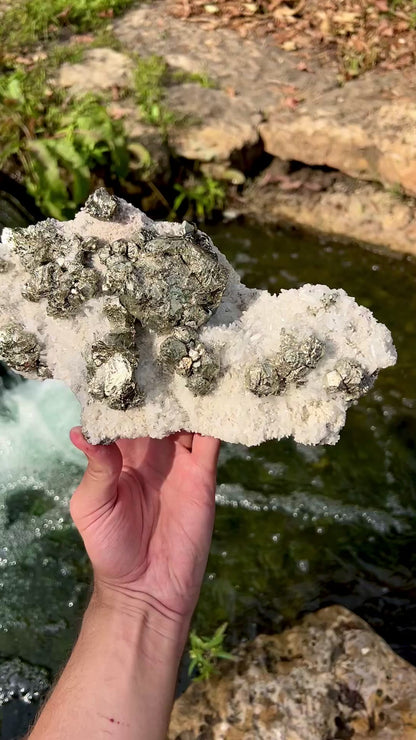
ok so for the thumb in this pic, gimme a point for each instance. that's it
(98, 489)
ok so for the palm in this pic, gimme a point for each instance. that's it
(152, 534)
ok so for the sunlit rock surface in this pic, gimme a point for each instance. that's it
(153, 331)
(329, 677)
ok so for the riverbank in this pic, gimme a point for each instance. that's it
(213, 121)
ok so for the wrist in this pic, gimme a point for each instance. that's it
(140, 616)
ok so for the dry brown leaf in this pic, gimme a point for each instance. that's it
(291, 184)
(291, 102)
(82, 38)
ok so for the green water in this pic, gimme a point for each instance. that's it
(297, 528)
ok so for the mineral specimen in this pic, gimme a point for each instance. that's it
(349, 378)
(178, 282)
(102, 205)
(187, 356)
(152, 329)
(19, 348)
(294, 360)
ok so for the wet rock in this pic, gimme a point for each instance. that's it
(19, 680)
(332, 203)
(330, 676)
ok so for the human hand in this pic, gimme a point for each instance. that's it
(145, 510)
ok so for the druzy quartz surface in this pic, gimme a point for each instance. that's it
(153, 331)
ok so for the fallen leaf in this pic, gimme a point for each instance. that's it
(82, 38)
(64, 13)
(314, 187)
(291, 103)
(291, 185)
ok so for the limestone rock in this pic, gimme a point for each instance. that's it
(101, 69)
(228, 125)
(151, 328)
(332, 203)
(354, 130)
(328, 677)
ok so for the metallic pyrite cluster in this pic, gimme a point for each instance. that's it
(349, 378)
(161, 283)
(291, 364)
(19, 348)
(185, 354)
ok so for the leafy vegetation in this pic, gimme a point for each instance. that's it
(63, 144)
(206, 652)
(35, 21)
(200, 199)
(56, 141)
(150, 79)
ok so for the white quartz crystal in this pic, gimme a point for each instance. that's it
(249, 328)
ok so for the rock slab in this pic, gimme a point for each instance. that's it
(329, 677)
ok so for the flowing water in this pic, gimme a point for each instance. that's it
(297, 527)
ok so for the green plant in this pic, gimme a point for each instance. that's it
(205, 653)
(201, 199)
(58, 141)
(33, 21)
(198, 78)
(150, 78)
(86, 139)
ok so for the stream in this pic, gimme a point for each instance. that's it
(297, 527)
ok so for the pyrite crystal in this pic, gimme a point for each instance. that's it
(102, 205)
(154, 332)
(349, 378)
(177, 282)
(185, 354)
(291, 364)
(19, 348)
